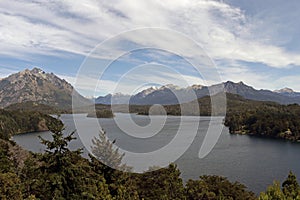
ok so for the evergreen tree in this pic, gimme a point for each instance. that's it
(216, 187)
(290, 190)
(10, 186)
(64, 174)
(164, 183)
(103, 150)
(290, 187)
(121, 183)
(273, 192)
(32, 177)
(5, 163)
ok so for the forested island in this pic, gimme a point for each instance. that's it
(101, 114)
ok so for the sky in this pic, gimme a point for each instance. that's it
(109, 46)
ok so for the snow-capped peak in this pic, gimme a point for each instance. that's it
(148, 91)
(285, 90)
(195, 87)
(170, 86)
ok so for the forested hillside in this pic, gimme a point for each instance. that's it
(16, 122)
(36, 107)
(263, 118)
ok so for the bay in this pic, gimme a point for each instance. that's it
(253, 161)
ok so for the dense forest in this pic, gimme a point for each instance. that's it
(60, 173)
(265, 119)
(16, 122)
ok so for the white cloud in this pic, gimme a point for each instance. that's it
(258, 79)
(237, 73)
(91, 87)
(77, 26)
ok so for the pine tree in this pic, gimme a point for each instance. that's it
(290, 187)
(64, 174)
(164, 183)
(10, 186)
(216, 187)
(273, 192)
(107, 161)
(103, 150)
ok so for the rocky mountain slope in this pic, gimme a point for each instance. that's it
(117, 98)
(37, 86)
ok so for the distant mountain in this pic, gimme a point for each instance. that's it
(145, 92)
(117, 98)
(168, 94)
(171, 94)
(162, 95)
(285, 90)
(38, 86)
(288, 92)
(249, 92)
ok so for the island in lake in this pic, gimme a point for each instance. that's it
(101, 114)
(243, 116)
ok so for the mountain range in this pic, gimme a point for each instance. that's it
(46, 88)
(166, 94)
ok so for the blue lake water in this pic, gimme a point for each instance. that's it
(253, 161)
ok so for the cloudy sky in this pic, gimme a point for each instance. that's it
(257, 42)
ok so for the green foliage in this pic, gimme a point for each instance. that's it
(103, 150)
(16, 122)
(290, 190)
(164, 183)
(8, 125)
(30, 106)
(5, 162)
(266, 119)
(32, 177)
(216, 187)
(10, 186)
(290, 187)
(273, 192)
(120, 183)
(66, 174)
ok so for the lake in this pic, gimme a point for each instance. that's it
(253, 161)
